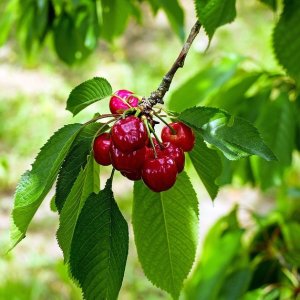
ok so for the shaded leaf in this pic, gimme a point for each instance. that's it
(207, 164)
(286, 40)
(165, 229)
(271, 3)
(221, 248)
(100, 246)
(114, 22)
(277, 125)
(86, 183)
(203, 84)
(75, 160)
(87, 93)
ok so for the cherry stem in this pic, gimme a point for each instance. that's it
(173, 131)
(149, 135)
(124, 101)
(157, 138)
(101, 128)
(158, 95)
(101, 117)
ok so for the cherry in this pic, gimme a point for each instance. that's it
(171, 150)
(129, 134)
(159, 174)
(183, 138)
(101, 149)
(129, 162)
(134, 175)
(118, 106)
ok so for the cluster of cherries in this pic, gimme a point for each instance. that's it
(131, 150)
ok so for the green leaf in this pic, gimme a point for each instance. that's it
(36, 183)
(271, 3)
(234, 136)
(76, 32)
(165, 229)
(207, 164)
(175, 16)
(114, 22)
(233, 98)
(87, 93)
(221, 248)
(8, 17)
(203, 84)
(100, 246)
(74, 162)
(86, 183)
(277, 125)
(215, 13)
(286, 40)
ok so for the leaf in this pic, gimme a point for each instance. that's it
(277, 125)
(36, 183)
(87, 93)
(175, 16)
(203, 84)
(215, 13)
(232, 98)
(286, 40)
(165, 229)
(86, 183)
(271, 3)
(100, 246)
(75, 160)
(76, 32)
(207, 164)
(114, 22)
(8, 18)
(234, 136)
(222, 247)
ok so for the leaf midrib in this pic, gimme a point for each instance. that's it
(168, 241)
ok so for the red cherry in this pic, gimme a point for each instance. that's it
(134, 175)
(159, 174)
(117, 106)
(101, 149)
(171, 150)
(129, 134)
(128, 162)
(183, 138)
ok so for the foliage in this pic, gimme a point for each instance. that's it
(246, 113)
(264, 267)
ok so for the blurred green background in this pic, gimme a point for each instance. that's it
(32, 106)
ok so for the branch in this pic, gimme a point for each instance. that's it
(158, 95)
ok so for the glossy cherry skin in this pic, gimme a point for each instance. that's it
(176, 153)
(117, 106)
(101, 149)
(183, 138)
(129, 162)
(134, 175)
(129, 134)
(159, 174)
(167, 149)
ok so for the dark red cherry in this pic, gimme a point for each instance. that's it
(171, 150)
(129, 134)
(183, 138)
(133, 175)
(128, 162)
(121, 101)
(159, 174)
(101, 149)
